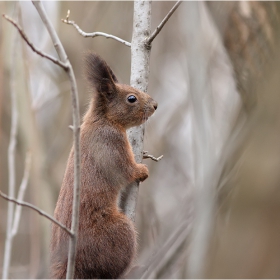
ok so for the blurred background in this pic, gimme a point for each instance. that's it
(210, 208)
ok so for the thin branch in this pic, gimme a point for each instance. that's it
(93, 34)
(21, 192)
(158, 29)
(35, 49)
(31, 206)
(11, 157)
(76, 135)
(146, 155)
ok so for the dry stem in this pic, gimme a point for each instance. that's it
(31, 206)
(93, 34)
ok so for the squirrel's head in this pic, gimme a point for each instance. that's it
(118, 103)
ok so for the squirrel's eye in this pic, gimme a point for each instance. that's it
(131, 98)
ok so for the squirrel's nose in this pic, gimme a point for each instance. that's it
(155, 105)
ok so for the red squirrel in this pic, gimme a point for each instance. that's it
(107, 238)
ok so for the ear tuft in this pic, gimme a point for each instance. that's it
(99, 74)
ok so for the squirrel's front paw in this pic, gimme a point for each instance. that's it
(143, 172)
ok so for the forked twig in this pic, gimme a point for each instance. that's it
(160, 26)
(93, 34)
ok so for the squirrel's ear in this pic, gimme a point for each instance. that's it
(100, 75)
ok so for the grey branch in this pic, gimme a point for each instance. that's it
(76, 135)
(158, 29)
(36, 50)
(31, 206)
(146, 155)
(93, 34)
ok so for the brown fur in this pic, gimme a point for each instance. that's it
(107, 238)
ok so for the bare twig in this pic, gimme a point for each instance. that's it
(29, 205)
(76, 135)
(158, 29)
(146, 155)
(21, 192)
(93, 34)
(41, 53)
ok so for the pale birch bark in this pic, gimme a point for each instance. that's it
(140, 57)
